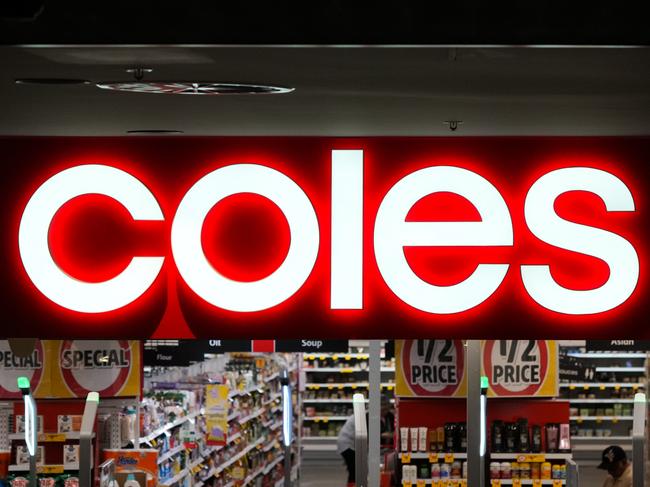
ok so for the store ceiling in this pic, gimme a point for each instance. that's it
(339, 91)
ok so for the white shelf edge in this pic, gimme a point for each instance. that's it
(601, 418)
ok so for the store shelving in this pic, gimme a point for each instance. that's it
(331, 379)
(601, 410)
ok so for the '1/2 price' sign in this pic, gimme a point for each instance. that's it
(434, 368)
(521, 367)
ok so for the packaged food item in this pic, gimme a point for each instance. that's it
(514, 470)
(445, 471)
(462, 437)
(433, 439)
(404, 439)
(414, 439)
(495, 470)
(47, 482)
(20, 482)
(498, 435)
(440, 430)
(536, 438)
(563, 471)
(456, 470)
(535, 470)
(68, 422)
(422, 438)
(555, 472)
(552, 440)
(435, 471)
(20, 423)
(565, 438)
(424, 470)
(71, 482)
(450, 437)
(524, 470)
(22, 455)
(506, 471)
(71, 454)
(524, 438)
(546, 471)
(512, 437)
(465, 470)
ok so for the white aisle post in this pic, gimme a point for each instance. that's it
(374, 413)
(475, 417)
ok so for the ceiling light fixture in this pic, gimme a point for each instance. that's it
(154, 131)
(193, 88)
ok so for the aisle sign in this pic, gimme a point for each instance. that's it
(216, 413)
(430, 368)
(521, 367)
(311, 346)
(618, 345)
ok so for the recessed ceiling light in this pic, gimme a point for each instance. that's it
(52, 81)
(193, 88)
(154, 131)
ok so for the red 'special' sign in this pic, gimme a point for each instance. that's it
(390, 237)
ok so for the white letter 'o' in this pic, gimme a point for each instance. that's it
(204, 279)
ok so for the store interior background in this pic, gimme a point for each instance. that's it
(172, 415)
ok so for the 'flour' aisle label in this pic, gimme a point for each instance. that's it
(521, 367)
(433, 368)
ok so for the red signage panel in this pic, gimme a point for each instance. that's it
(321, 237)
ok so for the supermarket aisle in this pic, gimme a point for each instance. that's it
(324, 475)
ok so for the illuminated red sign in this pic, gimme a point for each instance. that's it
(271, 238)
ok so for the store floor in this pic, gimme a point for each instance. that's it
(325, 475)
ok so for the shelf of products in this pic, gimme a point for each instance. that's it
(331, 379)
(601, 411)
(175, 423)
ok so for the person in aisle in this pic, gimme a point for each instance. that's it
(345, 440)
(619, 469)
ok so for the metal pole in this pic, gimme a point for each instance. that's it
(360, 441)
(374, 413)
(86, 439)
(638, 439)
(475, 422)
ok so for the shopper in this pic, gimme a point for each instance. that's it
(345, 441)
(614, 460)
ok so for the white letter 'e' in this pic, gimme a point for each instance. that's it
(216, 288)
(52, 281)
(392, 233)
(546, 225)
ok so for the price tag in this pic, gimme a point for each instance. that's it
(50, 469)
(599, 419)
(51, 437)
(406, 458)
(602, 387)
(579, 420)
(585, 387)
(311, 357)
(496, 482)
(421, 483)
(617, 387)
(347, 371)
(354, 386)
(340, 387)
(347, 357)
(322, 357)
(454, 482)
(572, 387)
(330, 387)
(335, 357)
(537, 483)
(406, 484)
(449, 458)
(557, 483)
(531, 458)
(516, 482)
(463, 483)
(615, 419)
(433, 458)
